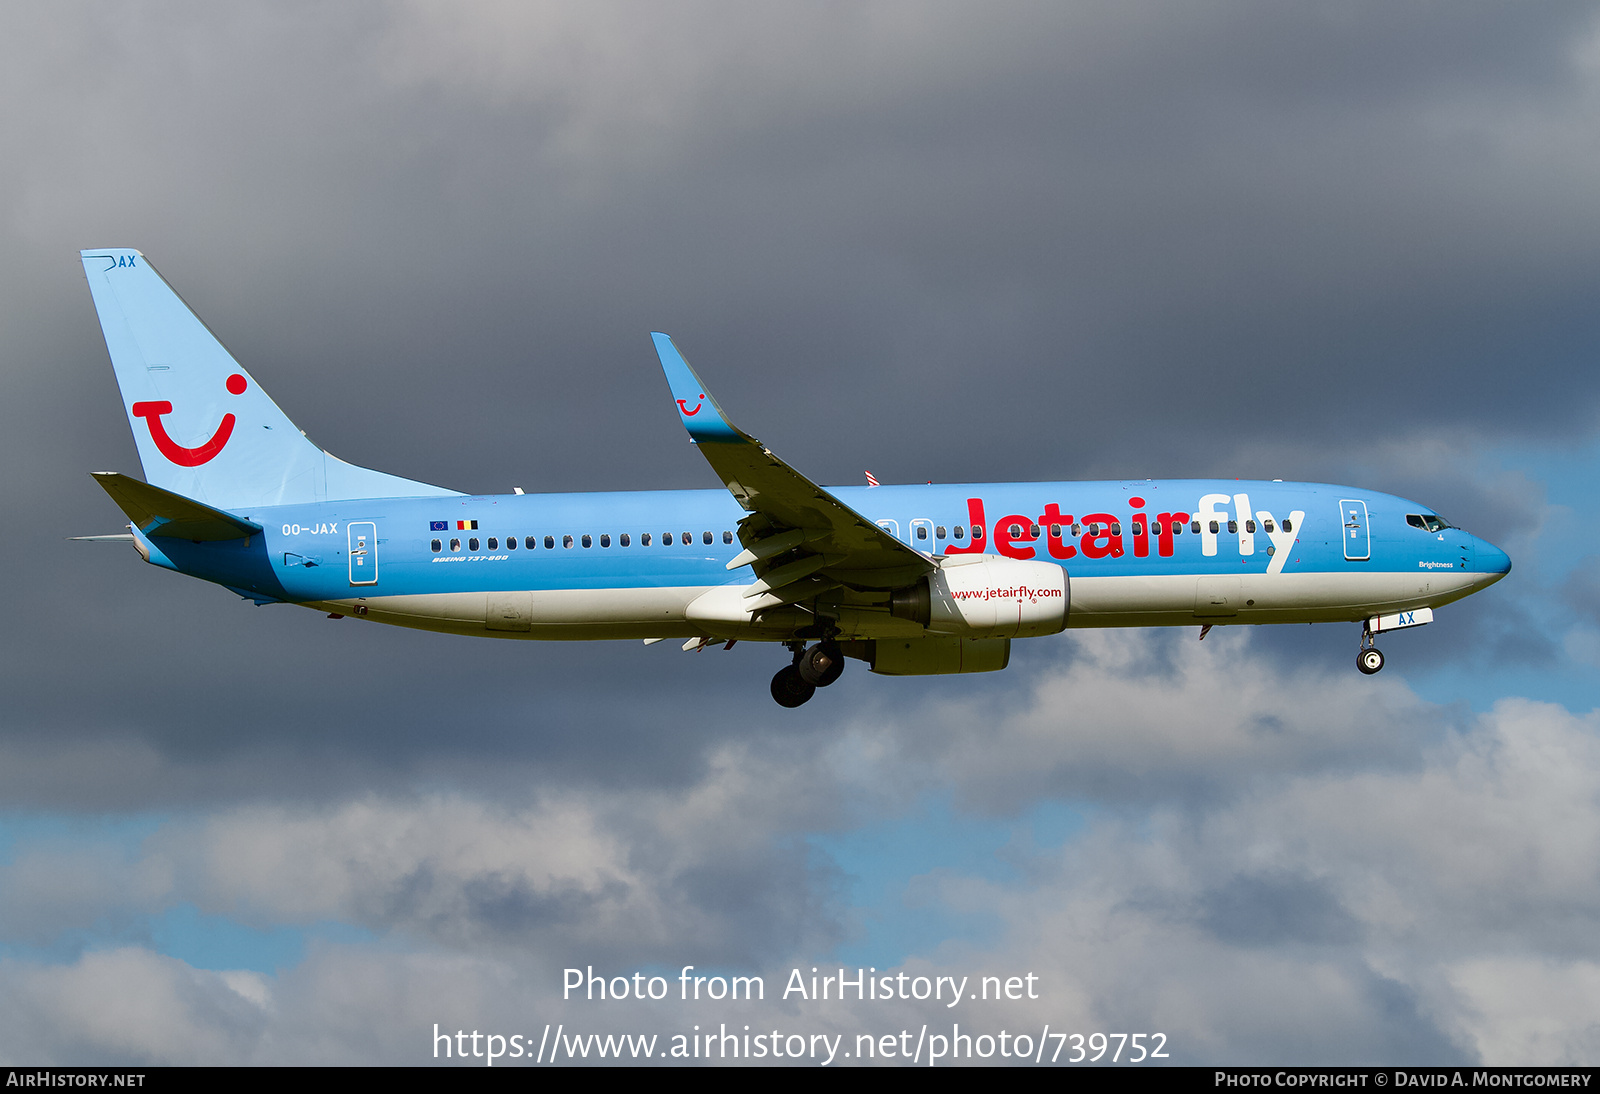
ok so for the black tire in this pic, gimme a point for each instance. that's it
(789, 689)
(1369, 661)
(821, 665)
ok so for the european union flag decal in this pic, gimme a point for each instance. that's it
(438, 525)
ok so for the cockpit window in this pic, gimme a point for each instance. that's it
(1428, 522)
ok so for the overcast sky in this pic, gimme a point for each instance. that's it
(1351, 242)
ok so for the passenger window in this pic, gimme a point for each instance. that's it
(1177, 529)
(437, 546)
(455, 545)
(1116, 528)
(566, 543)
(960, 532)
(472, 544)
(922, 531)
(938, 533)
(624, 540)
(1250, 526)
(1267, 525)
(644, 539)
(550, 543)
(977, 531)
(1194, 527)
(587, 541)
(511, 543)
(706, 538)
(605, 540)
(494, 543)
(1288, 526)
(688, 538)
(1015, 530)
(1215, 528)
(1233, 527)
(666, 539)
(727, 536)
(1077, 529)
(1138, 529)
(1055, 531)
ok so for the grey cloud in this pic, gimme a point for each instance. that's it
(1276, 908)
(1372, 903)
(1581, 590)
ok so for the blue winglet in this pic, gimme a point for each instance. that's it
(701, 415)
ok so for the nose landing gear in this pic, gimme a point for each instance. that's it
(1370, 659)
(813, 668)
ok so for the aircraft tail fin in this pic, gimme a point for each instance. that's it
(204, 428)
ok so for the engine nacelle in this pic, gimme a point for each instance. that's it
(987, 596)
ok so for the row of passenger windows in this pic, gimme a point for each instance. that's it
(920, 532)
(1098, 529)
(624, 540)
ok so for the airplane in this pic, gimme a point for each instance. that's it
(911, 579)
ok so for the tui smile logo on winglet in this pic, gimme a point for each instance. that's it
(683, 405)
(151, 412)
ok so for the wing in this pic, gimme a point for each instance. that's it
(800, 539)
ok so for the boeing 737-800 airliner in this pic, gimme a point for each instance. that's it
(913, 580)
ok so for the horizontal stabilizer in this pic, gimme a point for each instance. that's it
(158, 512)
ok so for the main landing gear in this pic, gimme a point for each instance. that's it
(1370, 659)
(813, 668)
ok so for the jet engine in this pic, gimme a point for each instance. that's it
(987, 596)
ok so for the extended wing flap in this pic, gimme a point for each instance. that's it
(158, 512)
(858, 551)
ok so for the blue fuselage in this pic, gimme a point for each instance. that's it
(1312, 551)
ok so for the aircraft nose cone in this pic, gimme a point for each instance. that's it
(1491, 559)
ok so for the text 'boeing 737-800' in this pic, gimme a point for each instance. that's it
(913, 580)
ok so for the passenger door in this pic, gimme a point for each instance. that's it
(1357, 536)
(362, 538)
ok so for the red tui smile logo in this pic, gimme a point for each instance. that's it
(151, 412)
(683, 405)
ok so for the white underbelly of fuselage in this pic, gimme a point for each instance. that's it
(1122, 601)
(1184, 600)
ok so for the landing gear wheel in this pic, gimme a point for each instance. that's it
(789, 689)
(821, 664)
(1369, 660)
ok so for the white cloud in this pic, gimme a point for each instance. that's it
(1136, 716)
(127, 1006)
(1528, 1010)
